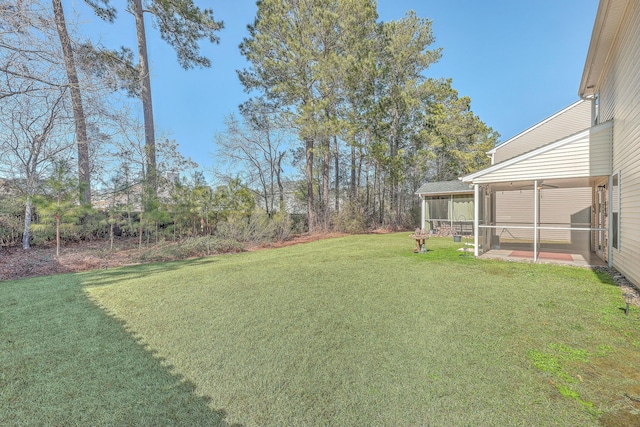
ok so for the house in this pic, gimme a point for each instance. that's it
(590, 176)
(293, 203)
(611, 80)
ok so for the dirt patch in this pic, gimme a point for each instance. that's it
(304, 238)
(16, 263)
(625, 397)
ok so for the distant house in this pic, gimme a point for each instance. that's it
(293, 203)
(581, 191)
(131, 197)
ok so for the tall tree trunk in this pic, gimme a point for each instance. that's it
(325, 182)
(374, 192)
(359, 174)
(84, 173)
(352, 178)
(272, 187)
(57, 236)
(381, 191)
(393, 172)
(336, 154)
(392, 183)
(26, 235)
(147, 105)
(268, 204)
(279, 179)
(368, 195)
(311, 214)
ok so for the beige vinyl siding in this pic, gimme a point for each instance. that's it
(571, 120)
(514, 208)
(559, 207)
(620, 100)
(566, 207)
(583, 155)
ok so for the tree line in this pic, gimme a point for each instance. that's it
(341, 118)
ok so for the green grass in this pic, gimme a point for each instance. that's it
(349, 331)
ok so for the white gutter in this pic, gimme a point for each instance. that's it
(610, 231)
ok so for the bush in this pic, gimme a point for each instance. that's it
(258, 228)
(190, 248)
(351, 219)
(299, 223)
(282, 226)
(11, 222)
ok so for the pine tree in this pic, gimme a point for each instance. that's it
(182, 25)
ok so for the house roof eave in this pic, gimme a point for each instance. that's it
(605, 29)
(537, 125)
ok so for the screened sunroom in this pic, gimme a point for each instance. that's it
(447, 204)
(558, 202)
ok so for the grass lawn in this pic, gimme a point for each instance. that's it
(350, 331)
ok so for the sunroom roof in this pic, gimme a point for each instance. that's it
(444, 187)
(585, 154)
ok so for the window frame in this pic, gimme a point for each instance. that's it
(615, 207)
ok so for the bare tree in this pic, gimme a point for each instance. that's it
(33, 113)
(28, 53)
(256, 149)
(33, 133)
(28, 62)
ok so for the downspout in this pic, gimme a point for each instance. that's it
(610, 224)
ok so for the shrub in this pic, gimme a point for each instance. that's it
(258, 228)
(282, 226)
(11, 221)
(190, 248)
(351, 219)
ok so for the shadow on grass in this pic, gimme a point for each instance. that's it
(107, 277)
(64, 361)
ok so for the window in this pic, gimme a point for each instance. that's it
(615, 211)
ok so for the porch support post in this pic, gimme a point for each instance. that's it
(451, 218)
(610, 223)
(476, 219)
(536, 211)
(422, 211)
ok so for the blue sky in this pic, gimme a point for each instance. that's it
(519, 61)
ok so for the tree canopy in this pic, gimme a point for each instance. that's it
(362, 84)
(343, 117)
